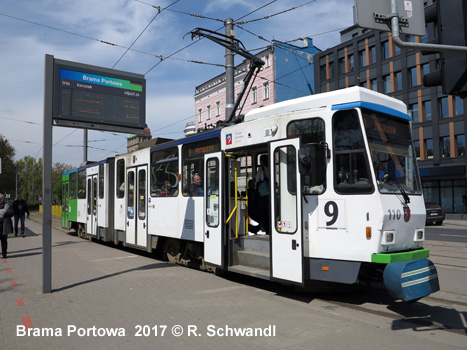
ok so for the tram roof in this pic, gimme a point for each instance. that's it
(333, 99)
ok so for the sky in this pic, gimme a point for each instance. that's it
(100, 32)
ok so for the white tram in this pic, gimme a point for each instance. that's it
(343, 200)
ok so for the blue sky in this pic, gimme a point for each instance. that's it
(76, 30)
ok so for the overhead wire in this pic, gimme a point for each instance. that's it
(152, 20)
(194, 42)
(276, 14)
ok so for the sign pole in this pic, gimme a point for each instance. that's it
(47, 178)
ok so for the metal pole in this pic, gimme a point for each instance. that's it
(47, 178)
(406, 45)
(85, 145)
(229, 70)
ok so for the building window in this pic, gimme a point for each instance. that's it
(362, 56)
(413, 112)
(460, 145)
(426, 68)
(200, 115)
(374, 85)
(322, 72)
(266, 90)
(254, 95)
(427, 114)
(342, 66)
(443, 105)
(372, 54)
(417, 149)
(208, 110)
(445, 146)
(413, 76)
(429, 149)
(218, 108)
(385, 49)
(398, 82)
(267, 61)
(351, 63)
(387, 84)
(397, 50)
(459, 106)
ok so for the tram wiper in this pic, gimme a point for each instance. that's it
(399, 186)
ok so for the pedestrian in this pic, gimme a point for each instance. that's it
(464, 205)
(5, 224)
(21, 208)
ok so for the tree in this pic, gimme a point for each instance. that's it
(29, 178)
(57, 170)
(7, 177)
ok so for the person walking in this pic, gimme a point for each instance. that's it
(21, 208)
(5, 224)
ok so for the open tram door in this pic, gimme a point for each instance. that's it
(214, 227)
(286, 211)
(91, 217)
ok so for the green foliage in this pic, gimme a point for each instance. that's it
(7, 177)
(30, 179)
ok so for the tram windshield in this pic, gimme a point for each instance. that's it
(392, 153)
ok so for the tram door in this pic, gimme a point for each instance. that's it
(286, 211)
(136, 218)
(91, 217)
(213, 210)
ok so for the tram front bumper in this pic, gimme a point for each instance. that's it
(411, 280)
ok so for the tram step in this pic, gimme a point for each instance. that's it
(251, 271)
(253, 259)
(257, 243)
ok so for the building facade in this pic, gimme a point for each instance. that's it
(370, 59)
(287, 73)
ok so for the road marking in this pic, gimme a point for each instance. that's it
(20, 302)
(27, 322)
(14, 284)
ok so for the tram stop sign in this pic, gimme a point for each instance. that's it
(97, 98)
(376, 14)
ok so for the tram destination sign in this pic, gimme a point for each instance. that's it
(92, 97)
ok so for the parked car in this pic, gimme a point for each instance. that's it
(434, 213)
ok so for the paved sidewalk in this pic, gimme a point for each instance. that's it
(147, 303)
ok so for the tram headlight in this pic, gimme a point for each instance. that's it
(419, 235)
(389, 237)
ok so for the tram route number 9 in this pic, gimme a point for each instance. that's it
(332, 214)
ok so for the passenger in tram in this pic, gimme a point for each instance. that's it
(196, 188)
(262, 188)
(253, 213)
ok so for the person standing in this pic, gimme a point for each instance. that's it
(5, 224)
(21, 208)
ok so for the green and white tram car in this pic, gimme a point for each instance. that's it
(344, 199)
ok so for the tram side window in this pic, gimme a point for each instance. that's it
(193, 165)
(73, 186)
(164, 173)
(101, 181)
(312, 136)
(351, 170)
(120, 178)
(81, 184)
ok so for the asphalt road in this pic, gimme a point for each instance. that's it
(446, 232)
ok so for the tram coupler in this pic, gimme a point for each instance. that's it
(411, 280)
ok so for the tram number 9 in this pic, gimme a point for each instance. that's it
(331, 214)
(332, 211)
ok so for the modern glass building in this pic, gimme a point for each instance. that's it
(370, 59)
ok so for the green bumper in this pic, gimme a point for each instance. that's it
(398, 257)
